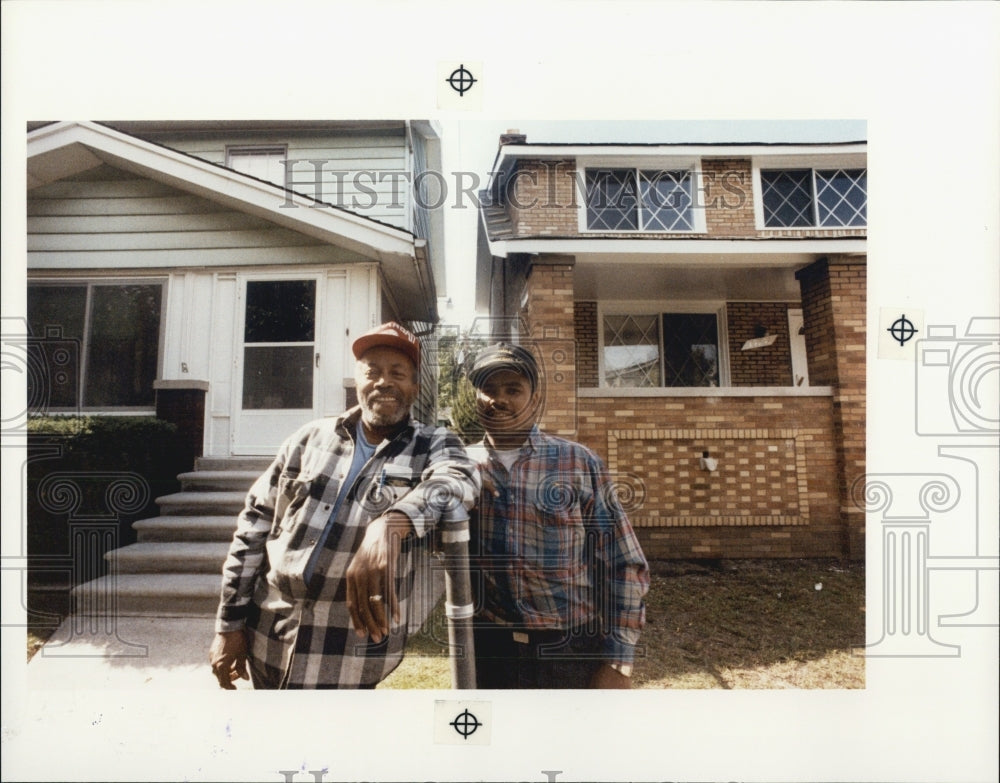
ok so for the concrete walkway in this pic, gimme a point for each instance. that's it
(133, 653)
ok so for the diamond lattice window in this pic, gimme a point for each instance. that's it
(631, 350)
(835, 198)
(690, 349)
(842, 197)
(639, 200)
(653, 350)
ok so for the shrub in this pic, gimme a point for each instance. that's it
(93, 476)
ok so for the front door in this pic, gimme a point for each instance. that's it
(277, 363)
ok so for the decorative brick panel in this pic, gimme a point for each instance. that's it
(775, 493)
(761, 477)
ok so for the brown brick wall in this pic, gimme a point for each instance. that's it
(833, 306)
(549, 314)
(817, 314)
(774, 493)
(585, 329)
(727, 193)
(769, 366)
(766, 508)
(543, 197)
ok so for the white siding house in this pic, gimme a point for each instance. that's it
(231, 260)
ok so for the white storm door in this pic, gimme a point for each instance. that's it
(276, 368)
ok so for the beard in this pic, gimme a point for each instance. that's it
(389, 418)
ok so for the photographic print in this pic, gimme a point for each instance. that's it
(645, 370)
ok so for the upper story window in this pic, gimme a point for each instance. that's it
(814, 198)
(263, 162)
(646, 199)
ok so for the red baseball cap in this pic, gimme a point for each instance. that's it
(389, 335)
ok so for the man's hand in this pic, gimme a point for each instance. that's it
(607, 677)
(371, 592)
(228, 656)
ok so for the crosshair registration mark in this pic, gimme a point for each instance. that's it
(461, 80)
(466, 724)
(902, 330)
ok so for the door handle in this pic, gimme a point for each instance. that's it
(317, 358)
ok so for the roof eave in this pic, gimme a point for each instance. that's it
(64, 148)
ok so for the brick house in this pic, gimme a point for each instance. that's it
(699, 310)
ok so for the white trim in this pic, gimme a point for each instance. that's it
(517, 151)
(633, 161)
(706, 391)
(797, 346)
(672, 244)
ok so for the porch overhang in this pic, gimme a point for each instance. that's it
(730, 252)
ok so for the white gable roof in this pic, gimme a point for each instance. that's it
(64, 149)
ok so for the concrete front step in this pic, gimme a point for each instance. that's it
(212, 480)
(161, 595)
(255, 465)
(216, 503)
(193, 527)
(202, 557)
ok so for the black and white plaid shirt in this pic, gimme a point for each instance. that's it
(302, 635)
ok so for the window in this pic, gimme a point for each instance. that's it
(279, 342)
(669, 349)
(809, 198)
(266, 163)
(94, 345)
(625, 199)
(631, 350)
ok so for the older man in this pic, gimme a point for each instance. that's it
(561, 574)
(321, 566)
